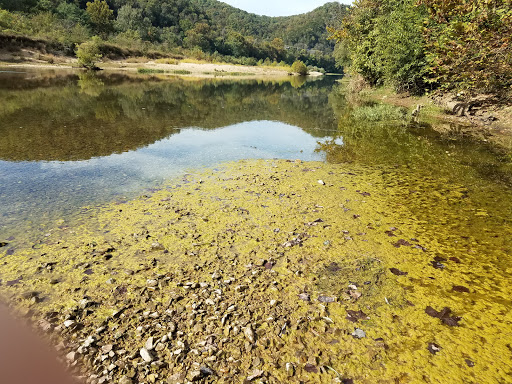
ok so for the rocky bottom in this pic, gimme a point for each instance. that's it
(266, 272)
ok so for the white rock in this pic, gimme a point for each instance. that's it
(249, 333)
(71, 357)
(69, 323)
(359, 333)
(209, 302)
(321, 182)
(146, 355)
(125, 380)
(149, 343)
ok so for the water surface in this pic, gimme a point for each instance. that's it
(68, 140)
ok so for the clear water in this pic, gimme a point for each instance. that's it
(70, 140)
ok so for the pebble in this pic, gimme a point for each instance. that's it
(89, 341)
(71, 356)
(149, 343)
(249, 333)
(255, 374)
(359, 333)
(69, 323)
(146, 355)
(125, 380)
(290, 369)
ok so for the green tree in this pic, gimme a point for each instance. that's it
(300, 68)
(100, 15)
(199, 36)
(382, 41)
(88, 53)
(469, 44)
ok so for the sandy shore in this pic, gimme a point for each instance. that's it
(30, 59)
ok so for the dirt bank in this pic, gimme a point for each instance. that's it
(270, 272)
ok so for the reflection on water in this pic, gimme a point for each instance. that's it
(68, 140)
(457, 186)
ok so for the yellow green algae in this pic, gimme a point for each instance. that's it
(278, 232)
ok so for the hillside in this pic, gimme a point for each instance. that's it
(203, 28)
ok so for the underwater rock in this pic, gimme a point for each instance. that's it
(355, 316)
(397, 272)
(434, 348)
(359, 333)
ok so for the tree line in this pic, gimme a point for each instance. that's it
(207, 28)
(420, 45)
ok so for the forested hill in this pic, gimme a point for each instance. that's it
(209, 27)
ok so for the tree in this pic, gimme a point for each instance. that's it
(100, 15)
(382, 41)
(88, 53)
(469, 44)
(199, 36)
(300, 68)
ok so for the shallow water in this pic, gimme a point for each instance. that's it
(435, 206)
(69, 140)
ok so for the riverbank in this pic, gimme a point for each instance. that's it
(484, 117)
(27, 58)
(271, 271)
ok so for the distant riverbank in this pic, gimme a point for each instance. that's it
(187, 67)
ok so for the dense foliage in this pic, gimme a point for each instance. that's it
(300, 68)
(88, 53)
(207, 28)
(417, 45)
(469, 43)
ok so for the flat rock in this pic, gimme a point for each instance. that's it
(146, 355)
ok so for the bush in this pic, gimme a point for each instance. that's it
(300, 68)
(88, 53)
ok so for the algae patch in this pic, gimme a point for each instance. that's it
(258, 271)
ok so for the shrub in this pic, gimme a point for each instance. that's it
(300, 68)
(88, 53)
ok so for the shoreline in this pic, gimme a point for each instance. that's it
(181, 69)
(486, 122)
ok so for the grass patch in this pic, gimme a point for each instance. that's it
(149, 70)
(380, 112)
(181, 72)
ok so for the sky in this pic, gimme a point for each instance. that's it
(279, 7)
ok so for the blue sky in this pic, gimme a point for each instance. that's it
(279, 8)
